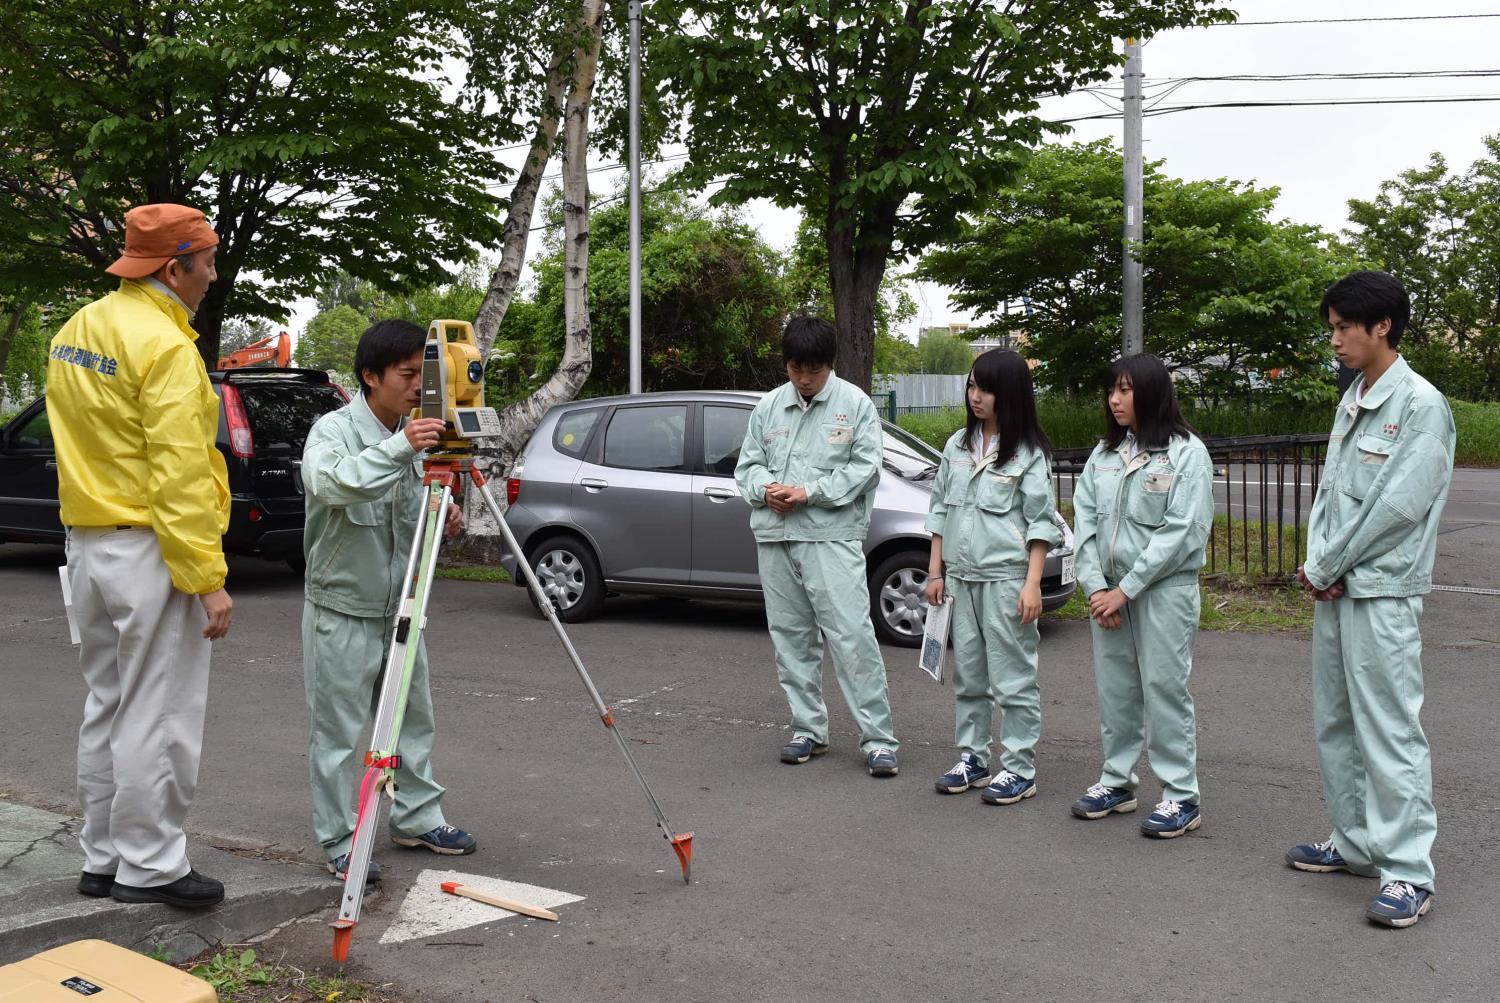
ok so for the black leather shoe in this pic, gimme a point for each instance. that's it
(191, 891)
(95, 886)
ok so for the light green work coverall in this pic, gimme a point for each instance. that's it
(812, 561)
(988, 518)
(1374, 527)
(1141, 524)
(364, 490)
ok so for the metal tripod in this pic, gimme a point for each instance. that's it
(442, 476)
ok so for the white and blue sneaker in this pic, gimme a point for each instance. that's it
(967, 772)
(1171, 819)
(1008, 788)
(882, 763)
(800, 749)
(1399, 904)
(1319, 858)
(339, 868)
(445, 839)
(1101, 800)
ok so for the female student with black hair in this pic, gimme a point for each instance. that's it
(1142, 511)
(991, 523)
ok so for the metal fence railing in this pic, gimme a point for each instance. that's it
(1263, 492)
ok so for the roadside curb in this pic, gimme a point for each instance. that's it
(46, 910)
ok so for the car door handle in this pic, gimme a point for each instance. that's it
(593, 483)
(50, 465)
(721, 494)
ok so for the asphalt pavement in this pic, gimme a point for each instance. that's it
(818, 882)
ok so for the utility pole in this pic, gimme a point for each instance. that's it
(635, 196)
(1132, 342)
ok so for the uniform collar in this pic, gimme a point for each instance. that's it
(372, 432)
(163, 299)
(1383, 388)
(166, 291)
(794, 399)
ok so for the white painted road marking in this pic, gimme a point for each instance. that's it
(428, 910)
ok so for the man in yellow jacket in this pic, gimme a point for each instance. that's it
(145, 499)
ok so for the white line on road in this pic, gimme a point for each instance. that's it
(427, 910)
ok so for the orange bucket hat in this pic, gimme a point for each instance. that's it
(155, 234)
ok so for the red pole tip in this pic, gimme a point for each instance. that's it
(452, 887)
(341, 938)
(683, 846)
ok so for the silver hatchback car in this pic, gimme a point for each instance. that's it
(637, 494)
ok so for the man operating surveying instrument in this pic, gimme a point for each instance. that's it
(145, 499)
(452, 412)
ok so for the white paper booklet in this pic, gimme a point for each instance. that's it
(935, 639)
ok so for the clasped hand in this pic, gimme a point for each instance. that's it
(1105, 606)
(1332, 592)
(783, 498)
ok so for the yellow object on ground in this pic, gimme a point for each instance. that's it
(95, 968)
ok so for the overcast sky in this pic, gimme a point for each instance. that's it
(1319, 157)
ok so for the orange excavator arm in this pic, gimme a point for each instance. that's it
(262, 353)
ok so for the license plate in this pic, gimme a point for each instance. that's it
(1067, 569)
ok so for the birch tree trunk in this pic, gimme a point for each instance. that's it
(498, 453)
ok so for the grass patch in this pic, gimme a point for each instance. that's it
(239, 977)
(1478, 434)
(1073, 424)
(474, 573)
(1229, 605)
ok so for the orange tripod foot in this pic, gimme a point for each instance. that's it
(343, 933)
(683, 847)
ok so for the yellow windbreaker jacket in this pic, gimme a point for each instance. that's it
(134, 419)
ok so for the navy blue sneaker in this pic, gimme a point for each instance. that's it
(1400, 905)
(1320, 858)
(445, 839)
(882, 763)
(967, 772)
(1100, 801)
(339, 868)
(1008, 788)
(800, 750)
(1171, 819)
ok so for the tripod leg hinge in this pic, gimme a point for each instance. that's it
(376, 761)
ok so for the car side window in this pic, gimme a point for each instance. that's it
(571, 435)
(647, 438)
(35, 434)
(723, 434)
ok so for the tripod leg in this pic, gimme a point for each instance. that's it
(682, 844)
(380, 764)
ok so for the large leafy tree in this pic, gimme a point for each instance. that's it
(885, 120)
(315, 133)
(1230, 294)
(1439, 233)
(713, 300)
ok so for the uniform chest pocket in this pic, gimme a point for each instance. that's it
(775, 442)
(1149, 507)
(364, 514)
(834, 444)
(997, 493)
(1364, 463)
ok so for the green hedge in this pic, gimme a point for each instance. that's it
(1073, 424)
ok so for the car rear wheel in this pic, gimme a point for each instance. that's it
(898, 605)
(570, 575)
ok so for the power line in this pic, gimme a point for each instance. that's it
(1170, 109)
(1276, 77)
(1351, 20)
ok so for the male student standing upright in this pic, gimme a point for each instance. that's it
(809, 466)
(1372, 537)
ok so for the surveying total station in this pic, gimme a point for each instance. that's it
(453, 390)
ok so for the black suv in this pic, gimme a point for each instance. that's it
(264, 415)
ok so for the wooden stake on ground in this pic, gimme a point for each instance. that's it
(458, 888)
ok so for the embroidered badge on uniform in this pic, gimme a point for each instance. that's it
(1164, 460)
(1391, 430)
(841, 418)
